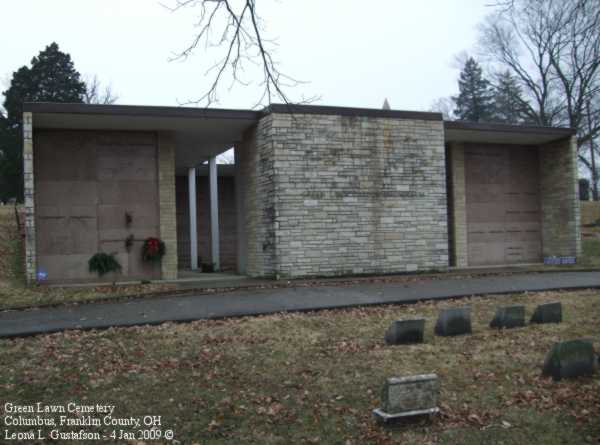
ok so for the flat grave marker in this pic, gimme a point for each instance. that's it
(408, 396)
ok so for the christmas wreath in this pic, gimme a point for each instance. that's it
(153, 249)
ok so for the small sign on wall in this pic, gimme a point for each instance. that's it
(559, 260)
(42, 275)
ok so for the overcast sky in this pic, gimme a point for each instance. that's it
(353, 53)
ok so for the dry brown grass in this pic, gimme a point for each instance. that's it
(9, 237)
(314, 378)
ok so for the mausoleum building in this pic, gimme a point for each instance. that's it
(313, 191)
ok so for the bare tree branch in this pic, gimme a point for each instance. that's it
(444, 105)
(96, 94)
(553, 48)
(505, 5)
(237, 32)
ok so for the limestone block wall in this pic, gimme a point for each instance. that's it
(355, 194)
(560, 202)
(255, 196)
(29, 194)
(167, 204)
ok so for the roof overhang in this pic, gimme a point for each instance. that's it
(198, 132)
(475, 132)
(352, 112)
(203, 132)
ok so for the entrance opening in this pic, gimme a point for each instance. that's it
(226, 220)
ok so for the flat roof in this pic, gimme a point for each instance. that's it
(214, 129)
(198, 132)
(221, 113)
(480, 132)
(140, 110)
(351, 112)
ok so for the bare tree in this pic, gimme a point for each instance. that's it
(96, 94)
(444, 105)
(553, 48)
(236, 29)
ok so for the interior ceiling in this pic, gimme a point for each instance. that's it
(196, 138)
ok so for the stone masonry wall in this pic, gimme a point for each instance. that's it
(167, 204)
(355, 194)
(256, 184)
(560, 201)
(30, 239)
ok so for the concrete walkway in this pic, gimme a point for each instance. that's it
(267, 301)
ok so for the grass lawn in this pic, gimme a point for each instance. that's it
(591, 252)
(314, 378)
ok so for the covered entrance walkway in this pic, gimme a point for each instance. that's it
(170, 155)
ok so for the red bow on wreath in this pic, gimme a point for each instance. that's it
(153, 245)
(153, 249)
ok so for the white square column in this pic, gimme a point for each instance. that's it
(193, 222)
(214, 213)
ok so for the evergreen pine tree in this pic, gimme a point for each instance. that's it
(51, 78)
(509, 105)
(474, 101)
(10, 161)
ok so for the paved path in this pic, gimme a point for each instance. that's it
(267, 301)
